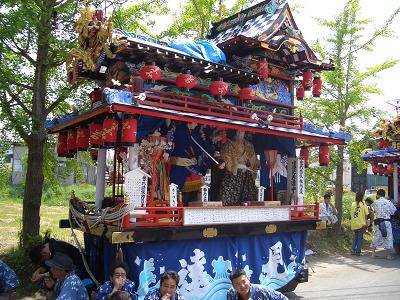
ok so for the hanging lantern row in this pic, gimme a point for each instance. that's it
(308, 83)
(97, 135)
(382, 170)
(324, 155)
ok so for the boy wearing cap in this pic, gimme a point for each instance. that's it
(68, 285)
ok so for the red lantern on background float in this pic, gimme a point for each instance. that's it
(82, 138)
(71, 141)
(317, 87)
(323, 155)
(110, 130)
(62, 150)
(186, 81)
(129, 130)
(300, 93)
(150, 72)
(375, 168)
(246, 94)
(307, 80)
(262, 69)
(304, 155)
(381, 170)
(390, 168)
(96, 135)
(218, 88)
(386, 172)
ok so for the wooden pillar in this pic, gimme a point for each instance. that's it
(395, 183)
(100, 178)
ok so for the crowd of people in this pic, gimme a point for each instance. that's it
(62, 275)
(380, 218)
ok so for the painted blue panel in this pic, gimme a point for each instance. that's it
(204, 264)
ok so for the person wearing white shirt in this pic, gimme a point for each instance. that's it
(328, 212)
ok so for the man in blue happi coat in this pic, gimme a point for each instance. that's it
(242, 289)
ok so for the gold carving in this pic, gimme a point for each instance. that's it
(122, 237)
(270, 228)
(210, 232)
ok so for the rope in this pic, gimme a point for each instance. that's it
(81, 252)
(92, 221)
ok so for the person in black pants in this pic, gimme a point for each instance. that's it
(46, 251)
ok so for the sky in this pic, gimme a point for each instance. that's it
(384, 49)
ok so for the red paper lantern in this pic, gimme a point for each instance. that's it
(323, 155)
(381, 170)
(390, 168)
(82, 138)
(62, 144)
(218, 88)
(262, 69)
(246, 94)
(317, 87)
(300, 93)
(110, 130)
(96, 135)
(305, 154)
(186, 81)
(150, 72)
(71, 141)
(386, 172)
(307, 80)
(129, 131)
(375, 168)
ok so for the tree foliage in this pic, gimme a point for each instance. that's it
(35, 37)
(348, 87)
(194, 19)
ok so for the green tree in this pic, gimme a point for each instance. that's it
(32, 83)
(194, 19)
(140, 16)
(35, 38)
(347, 88)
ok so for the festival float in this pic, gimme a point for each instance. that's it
(186, 125)
(384, 157)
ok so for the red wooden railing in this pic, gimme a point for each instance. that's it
(172, 216)
(162, 99)
(304, 212)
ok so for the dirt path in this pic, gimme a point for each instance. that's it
(351, 277)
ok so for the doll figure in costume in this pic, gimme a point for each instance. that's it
(241, 165)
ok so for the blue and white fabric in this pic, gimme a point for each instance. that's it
(70, 288)
(258, 292)
(8, 279)
(108, 287)
(156, 295)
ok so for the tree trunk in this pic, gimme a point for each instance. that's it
(37, 138)
(33, 188)
(339, 185)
